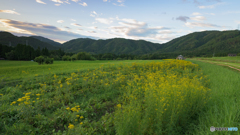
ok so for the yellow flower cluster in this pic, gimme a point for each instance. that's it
(74, 109)
(160, 87)
(71, 126)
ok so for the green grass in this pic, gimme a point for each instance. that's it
(225, 59)
(14, 70)
(97, 92)
(223, 109)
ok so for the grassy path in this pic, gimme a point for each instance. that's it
(235, 66)
(223, 109)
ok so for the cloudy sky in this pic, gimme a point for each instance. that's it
(157, 21)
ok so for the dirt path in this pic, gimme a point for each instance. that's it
(218, 63)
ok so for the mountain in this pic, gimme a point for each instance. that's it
(7, 38)
(205, 42)
(49, 41)
(115, 45)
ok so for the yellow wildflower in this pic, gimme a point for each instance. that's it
(81, 117)
(71, 126)
(81, 123)
(67, 108)
(119, 105)
(77, 115)
(38, 94)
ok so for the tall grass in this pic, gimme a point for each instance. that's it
(223, 109)
(161, 98)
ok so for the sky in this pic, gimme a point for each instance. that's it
(157, 21)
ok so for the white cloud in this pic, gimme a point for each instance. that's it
(91, 31)
(60, 21)
(211, 6)
(39, 1)
(57, 4)
(76, 0)
(196, 13)
(93, 13)
(75, 24)
(121, 5)
(198, 18)
(9, 12)
(105, 0)
(73, 20)
(67, 2)
(57, 1)
(104, 20)
(133, 28)
(120, 1)
(203, 7)
(93, 27)
(45, 30)
(196, 24)
(83, 4)
(210, 13)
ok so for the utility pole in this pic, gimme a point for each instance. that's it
(26, 42)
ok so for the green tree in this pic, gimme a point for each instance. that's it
(39, 60)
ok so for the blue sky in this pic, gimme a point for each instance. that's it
(157, 21)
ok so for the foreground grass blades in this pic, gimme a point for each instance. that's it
(158, 97)
(223, 108)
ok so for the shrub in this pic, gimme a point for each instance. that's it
(118, 58)
(85, 56)
(39, 60)
(66, 58)
(47, 60)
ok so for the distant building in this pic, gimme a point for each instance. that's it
(232, 55)
(180, 57)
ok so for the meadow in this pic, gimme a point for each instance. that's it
(15, 71)
(235, 59)
(119, 97)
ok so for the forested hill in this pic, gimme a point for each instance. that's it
(6, 38)
(49, 41)
(115, 45)
(205, 42)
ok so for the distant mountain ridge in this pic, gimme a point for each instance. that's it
(115, 45)
(205, 42)
(49, 41)
(7, 38)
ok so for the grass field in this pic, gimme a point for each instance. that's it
(223, 109)
(12, 71)
(120, 97)
(224, 59)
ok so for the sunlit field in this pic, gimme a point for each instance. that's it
(12, 71)
(121, 97)
(224, 59)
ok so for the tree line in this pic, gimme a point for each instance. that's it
(25, 52)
